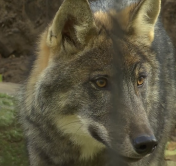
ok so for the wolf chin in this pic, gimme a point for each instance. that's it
(102, 89)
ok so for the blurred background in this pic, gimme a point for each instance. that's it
(21, 22)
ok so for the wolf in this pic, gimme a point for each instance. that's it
(102, 89)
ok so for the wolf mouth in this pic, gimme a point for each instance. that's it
(93, 132)
(129, 159)
(95, 135)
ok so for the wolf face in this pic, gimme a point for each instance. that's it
(102, 83)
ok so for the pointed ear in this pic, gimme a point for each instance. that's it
(143, 19)
(73, 24)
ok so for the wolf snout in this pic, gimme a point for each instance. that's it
(144, 145)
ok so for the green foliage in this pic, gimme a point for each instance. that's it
(0, 78)
(12, 151)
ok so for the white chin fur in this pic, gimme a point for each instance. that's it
(76, 127)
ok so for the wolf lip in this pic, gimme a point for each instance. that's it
(128, 159)
(95, 135)
(125, 158)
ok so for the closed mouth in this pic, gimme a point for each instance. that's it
(125, 158)
(128, 159)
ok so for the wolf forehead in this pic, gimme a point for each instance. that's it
(110, 42)
(104, 54)
(94, 43)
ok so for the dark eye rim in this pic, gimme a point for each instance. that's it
(99, 78)
(143, 76)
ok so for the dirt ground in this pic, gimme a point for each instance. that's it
(20, 24)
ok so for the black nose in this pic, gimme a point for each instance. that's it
(145, 144)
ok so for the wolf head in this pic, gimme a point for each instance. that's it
(96, 78)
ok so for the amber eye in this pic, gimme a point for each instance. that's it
(140, 81)
(101, 82)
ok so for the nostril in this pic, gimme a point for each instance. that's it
(145, 144)
(143, 147)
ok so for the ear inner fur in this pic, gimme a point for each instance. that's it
(83, 22)
(143, 19)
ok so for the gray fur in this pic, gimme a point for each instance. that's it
(68, 120)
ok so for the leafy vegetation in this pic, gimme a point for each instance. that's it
(0, 78)
(12, 146)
